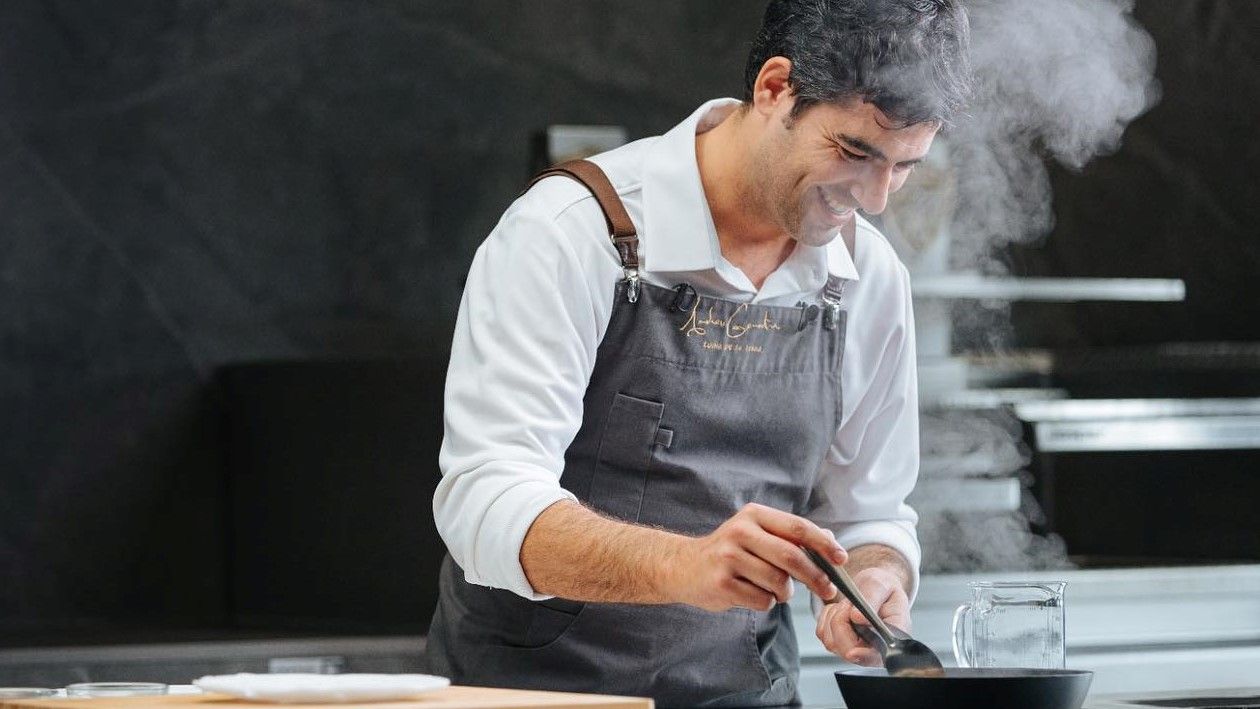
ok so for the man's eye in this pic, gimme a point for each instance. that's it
(850, 155)
(905, 168)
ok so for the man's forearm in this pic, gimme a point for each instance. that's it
(572, 552)
(877, 555)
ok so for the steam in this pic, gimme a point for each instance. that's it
(959, 537)
(965, 444)
(962, 543)
(1056, 78)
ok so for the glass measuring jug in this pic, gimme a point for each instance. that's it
(1011, 624)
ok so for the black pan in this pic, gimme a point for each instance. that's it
(966, 689)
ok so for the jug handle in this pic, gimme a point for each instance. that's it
(962, 635)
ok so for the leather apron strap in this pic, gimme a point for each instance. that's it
(624, 236)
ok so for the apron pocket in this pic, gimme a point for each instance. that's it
(549, 620)
(625, 452)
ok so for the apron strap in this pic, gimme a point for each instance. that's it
(834, 288)
(624, 236)
(833, 296)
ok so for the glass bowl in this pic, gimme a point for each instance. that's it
(115, 689)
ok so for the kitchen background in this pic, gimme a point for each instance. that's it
(234, 236)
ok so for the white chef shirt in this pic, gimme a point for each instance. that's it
(538, 300)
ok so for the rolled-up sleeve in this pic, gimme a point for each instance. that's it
(873, 463)
(521, 356)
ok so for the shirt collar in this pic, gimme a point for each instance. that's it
(841, 249)
(676, 213)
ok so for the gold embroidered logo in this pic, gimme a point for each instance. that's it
(732, 328)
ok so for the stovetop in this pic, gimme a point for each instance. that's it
(1238, 698)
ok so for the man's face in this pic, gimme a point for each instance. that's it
(811, 172)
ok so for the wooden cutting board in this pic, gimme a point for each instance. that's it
(448, 698)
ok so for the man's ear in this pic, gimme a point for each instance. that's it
(773, 87)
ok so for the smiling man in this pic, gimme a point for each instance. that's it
(680, 362)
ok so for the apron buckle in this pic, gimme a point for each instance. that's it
(684, 297)
(831, 313)
(632, 286)
(809, 313)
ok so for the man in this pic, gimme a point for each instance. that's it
(643, 431)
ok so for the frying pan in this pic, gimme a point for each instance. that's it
(920, 683)
(966, 688)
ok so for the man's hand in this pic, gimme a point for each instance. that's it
(884, 590)
(750, 561)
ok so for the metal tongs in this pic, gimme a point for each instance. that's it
(903, 655)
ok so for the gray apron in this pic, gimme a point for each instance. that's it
(696, 406)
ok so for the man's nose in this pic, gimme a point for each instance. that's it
(871, 190)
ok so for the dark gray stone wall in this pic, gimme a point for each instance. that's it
(1181, 198)
(185, 185)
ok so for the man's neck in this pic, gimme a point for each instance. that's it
(750, 241)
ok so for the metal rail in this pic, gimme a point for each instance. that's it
(1062, 290)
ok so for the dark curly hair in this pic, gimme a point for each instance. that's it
(908, 57)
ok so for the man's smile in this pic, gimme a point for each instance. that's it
(836, 209)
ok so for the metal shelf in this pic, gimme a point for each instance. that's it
(1062, 290)
(1112, 409)
(1092, 425)
(1156, 434)
(966, 495)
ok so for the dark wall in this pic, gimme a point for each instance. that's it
(185, 185)
(1180, 199)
